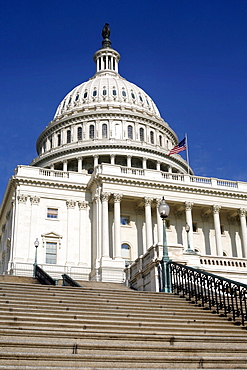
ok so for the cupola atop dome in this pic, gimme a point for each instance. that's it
(106, 58)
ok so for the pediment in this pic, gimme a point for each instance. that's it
(52, 234)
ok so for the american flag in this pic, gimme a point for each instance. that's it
(178, 148)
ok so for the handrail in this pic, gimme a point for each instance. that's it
(223, 296)
(43, 277)
(68, 281)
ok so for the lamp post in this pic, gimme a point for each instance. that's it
(164, 210)
(36, 244)
(187, 229)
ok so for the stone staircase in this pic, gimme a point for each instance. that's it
(108, 326)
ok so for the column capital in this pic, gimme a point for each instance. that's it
(117, 197)
(34, 199)
(242, 212)
(22, 198)
(216, 208)
(147, 201)
(157, 201)
(105, 197)
(96, 156)
(96, 198)
(82, 204)
(70, 203)
(188, 206)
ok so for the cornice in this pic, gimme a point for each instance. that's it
(54, 184)
(63, 151)
(173, 187)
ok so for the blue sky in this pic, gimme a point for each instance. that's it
(190, 56)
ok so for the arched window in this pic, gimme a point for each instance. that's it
(125, 253)
(79, 133)
(51, 142)
(141, 134)
(124, 93)
(130, 132)
(160, 140)
(68, 136)
(91, 131)
(104, 130)
(104, 92)
(114, 92)
(59, 139)
(95, 93)
(152, 137)
(85, 94)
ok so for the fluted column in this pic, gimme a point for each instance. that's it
(216, 213)
(79, 164)
(113, 158)
(188, 214)
(95, 160)
(159, 223)
(105, 224)
(148, 221)
(129, 161)
(242, 215)
(65, 166)
(117, 227)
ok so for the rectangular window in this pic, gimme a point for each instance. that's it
(51, 253)
(52, 213)
(125, 220)
(195, 229)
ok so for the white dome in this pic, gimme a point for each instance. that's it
(104, 88)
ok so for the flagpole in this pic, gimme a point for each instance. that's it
(187, 153)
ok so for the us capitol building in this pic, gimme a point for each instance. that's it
(89, 201)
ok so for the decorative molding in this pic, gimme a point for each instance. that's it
(178, 215)
(242, 212)
(204, 216)
(188, 206)
(70, 203)
(22, 198)
(82, 205)
(216, 208)
(139, 210)
(105, 197)
(117, 197)
(147, 201)
(34, 200)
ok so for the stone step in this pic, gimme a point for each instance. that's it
(125, 361)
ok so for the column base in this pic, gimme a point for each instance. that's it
(109, 270)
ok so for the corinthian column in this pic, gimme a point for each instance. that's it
(216, 212)
(117, 229)
(188, 215)
(148, 220)
(242, 215)
(105, 224)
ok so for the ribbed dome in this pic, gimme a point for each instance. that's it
(104, 88)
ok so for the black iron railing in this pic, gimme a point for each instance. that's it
(68, 281)
(222, 296)
(43, 277)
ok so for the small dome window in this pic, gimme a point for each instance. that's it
(147, 102)
(104, 92)
(77, 97)
(140, 98)
(124, 93)
(114, 92)
(85, 95)
(133, 95)
(95, 93)
(69, 100)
